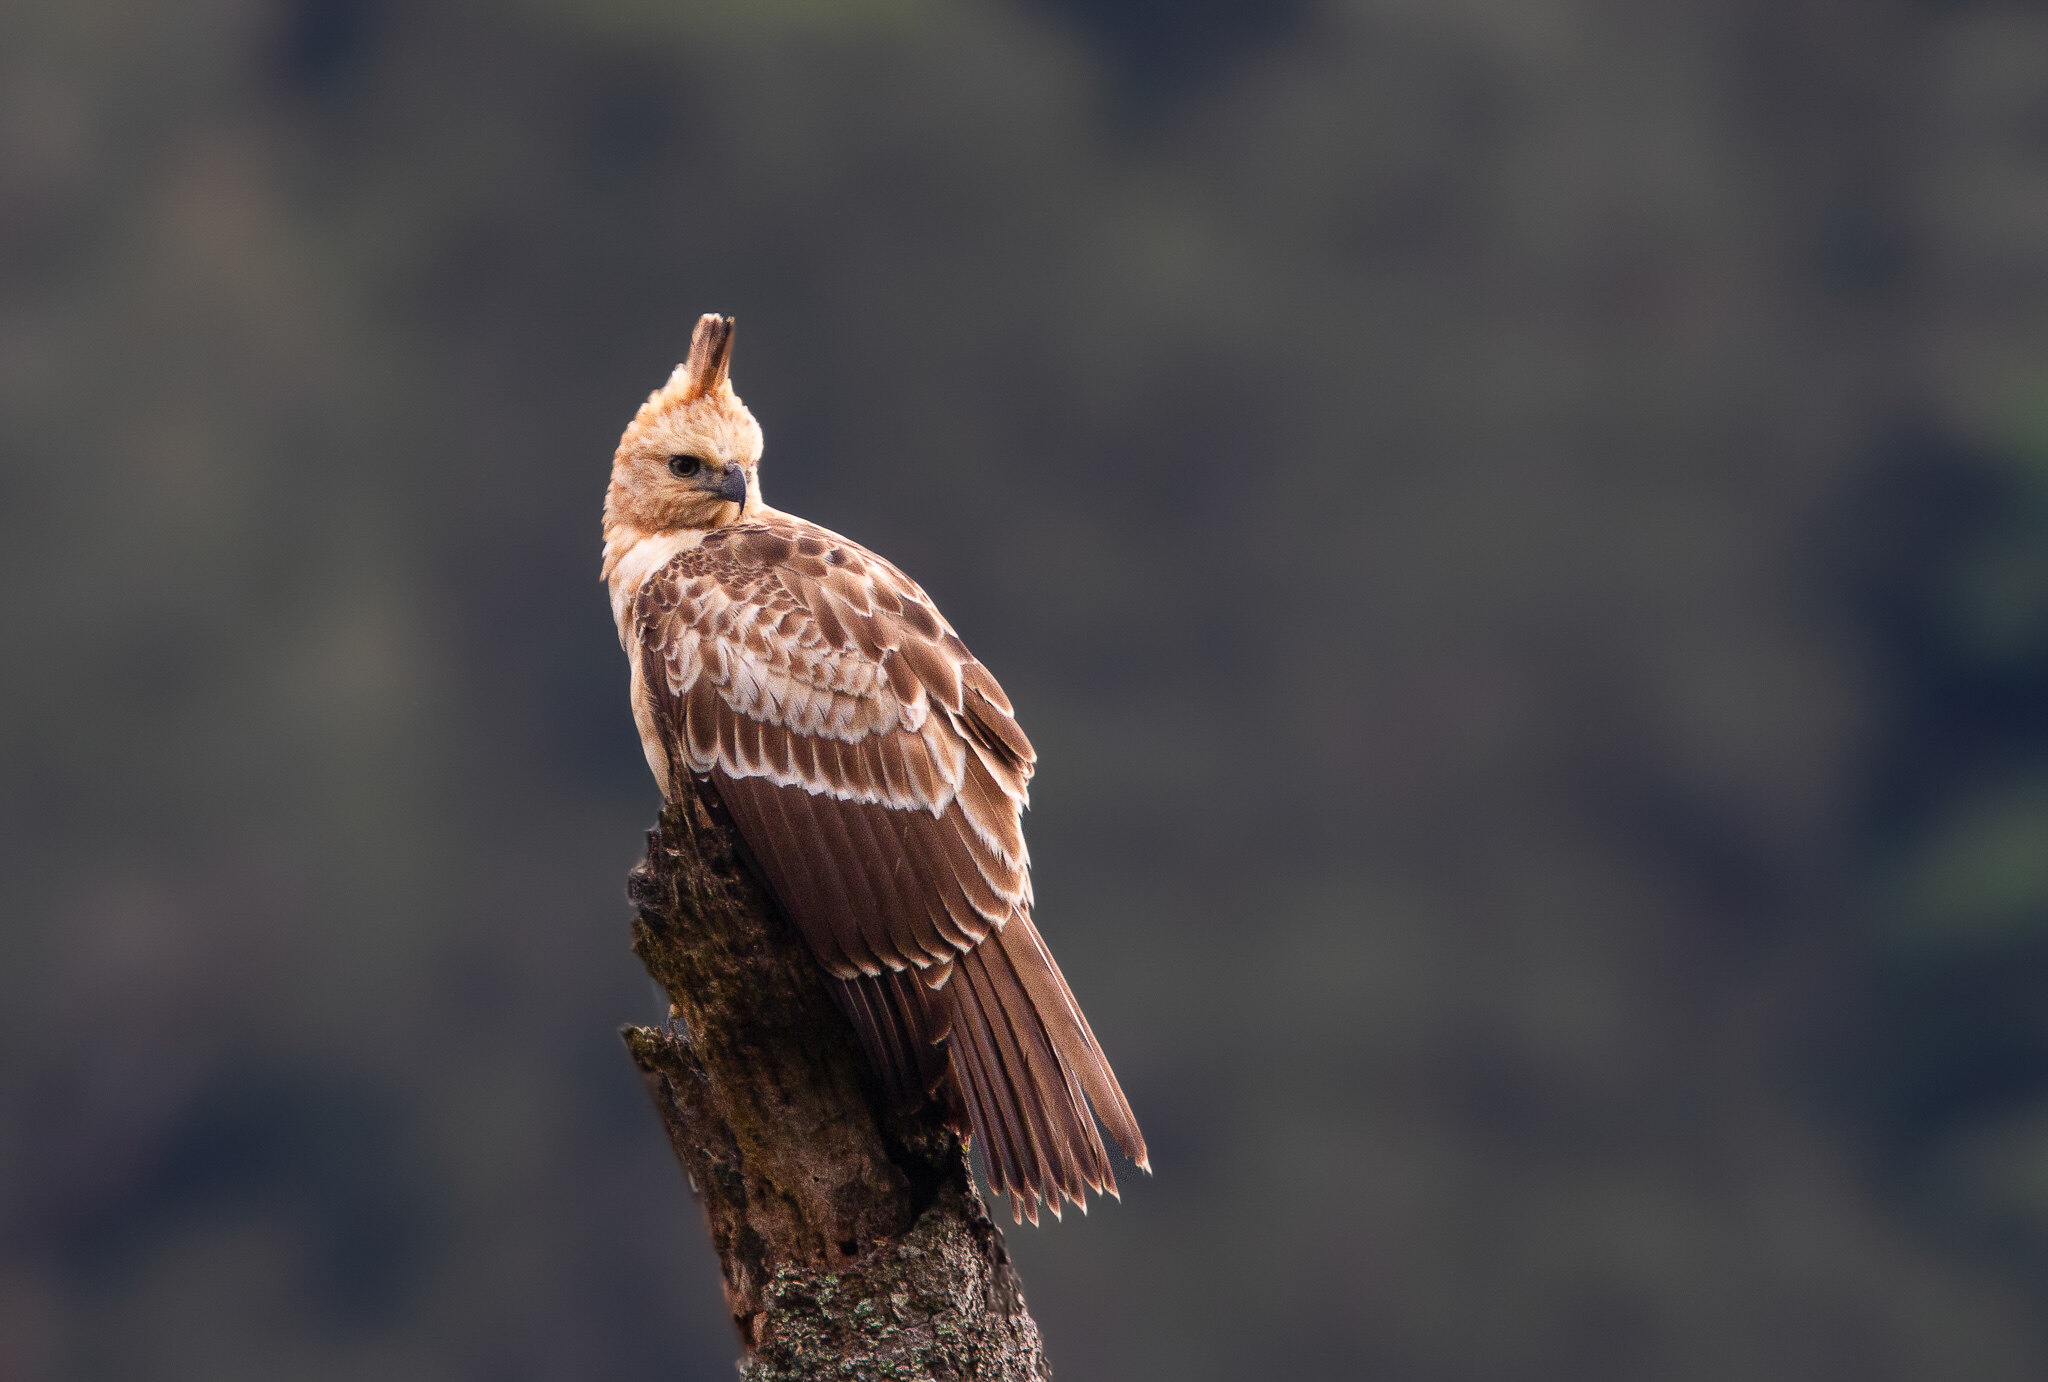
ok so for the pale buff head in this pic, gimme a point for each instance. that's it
(691, 456)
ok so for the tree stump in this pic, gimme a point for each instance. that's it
(851, 1236)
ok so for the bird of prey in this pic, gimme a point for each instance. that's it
(874, 770)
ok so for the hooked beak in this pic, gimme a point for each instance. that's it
(733, 485)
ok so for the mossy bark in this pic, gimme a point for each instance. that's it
(851, 1236)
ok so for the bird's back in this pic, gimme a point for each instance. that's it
(877, 774)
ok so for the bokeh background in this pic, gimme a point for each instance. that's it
(1519, 528)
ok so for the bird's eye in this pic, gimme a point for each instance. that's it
(683, 467)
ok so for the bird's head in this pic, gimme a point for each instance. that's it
(690, 457)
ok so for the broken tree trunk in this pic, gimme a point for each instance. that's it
(851, 1236)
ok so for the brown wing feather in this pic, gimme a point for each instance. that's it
(877, 774)
(890, 1016)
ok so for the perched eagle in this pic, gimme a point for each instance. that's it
(873, 768)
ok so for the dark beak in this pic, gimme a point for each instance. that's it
(734, 485)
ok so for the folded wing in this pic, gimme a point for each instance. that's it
(877, 774)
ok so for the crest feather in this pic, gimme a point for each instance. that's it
(709, 367)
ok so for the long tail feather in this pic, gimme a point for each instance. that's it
(1029, 1068)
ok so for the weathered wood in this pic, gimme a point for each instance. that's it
(852, 1239)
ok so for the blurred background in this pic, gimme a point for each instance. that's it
(1519, 528)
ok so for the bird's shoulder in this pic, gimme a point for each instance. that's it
(780, 551)
(791, 599)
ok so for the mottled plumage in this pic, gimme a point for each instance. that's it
(876, 773)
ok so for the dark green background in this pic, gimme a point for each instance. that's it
(1519, 528)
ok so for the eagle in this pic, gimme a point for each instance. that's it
(876, 773)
